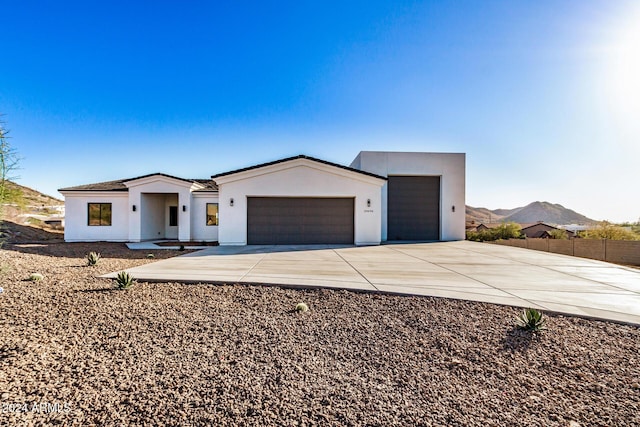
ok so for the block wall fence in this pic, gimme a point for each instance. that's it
(616, 251)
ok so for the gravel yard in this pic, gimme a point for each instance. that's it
(75, 351)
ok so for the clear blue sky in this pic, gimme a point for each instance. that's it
(544, 97)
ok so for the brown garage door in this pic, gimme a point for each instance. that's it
(299, 221)
(413, 208)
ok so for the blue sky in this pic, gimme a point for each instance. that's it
(544, 97)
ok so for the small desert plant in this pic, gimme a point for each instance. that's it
(302, 307)
(36, 277)
(4, 268)
(181, 248)
(531, 320)
(125, 280)
(93, 258)
(151, 256)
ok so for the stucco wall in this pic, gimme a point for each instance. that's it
(151, 209)
(76, 220)
(154, 185)
(299, 179)
(449, 166)
(199, 228)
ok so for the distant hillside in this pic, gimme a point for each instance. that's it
(33, 197)
(505, 212)
(479, 215)
(533, 212)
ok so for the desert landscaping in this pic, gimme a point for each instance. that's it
(77, 351)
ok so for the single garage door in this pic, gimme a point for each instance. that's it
(413, 208)
(299, 221)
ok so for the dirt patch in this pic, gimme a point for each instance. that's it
(174, 354)
(12, 232)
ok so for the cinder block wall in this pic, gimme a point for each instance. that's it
(538, 244)
(564, 247)
(587, 248)
(617, 251)
(624, 252)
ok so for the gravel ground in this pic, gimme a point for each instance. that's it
(174, 354)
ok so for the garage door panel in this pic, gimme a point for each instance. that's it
(413, 208)
(300, 220)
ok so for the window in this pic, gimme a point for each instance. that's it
(173, 216)
(212, 214)
(99, 213)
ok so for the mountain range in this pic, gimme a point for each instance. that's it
(551, 213)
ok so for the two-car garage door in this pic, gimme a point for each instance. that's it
(299, 220)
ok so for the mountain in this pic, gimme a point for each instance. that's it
(505, 212)
(479, 215)
(549, 213)
(33, 198)
(533, 212)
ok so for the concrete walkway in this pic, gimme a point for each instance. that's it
(462, 270)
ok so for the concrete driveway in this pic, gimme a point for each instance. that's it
(461, 270)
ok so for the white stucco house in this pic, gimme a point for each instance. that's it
(381, 196)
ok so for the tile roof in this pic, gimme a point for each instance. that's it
(301, 156)
(99, 186)
(119, 185)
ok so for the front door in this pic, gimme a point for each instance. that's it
(172, 226)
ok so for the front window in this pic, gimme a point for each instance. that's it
(212, 214)
(99, 214)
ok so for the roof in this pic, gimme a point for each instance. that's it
(522, 225)
(119, 185)
(209, 185)
(301, 156)
(529, 225)
(99, 186)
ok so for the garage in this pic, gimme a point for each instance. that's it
(300, 220)
(413, 207)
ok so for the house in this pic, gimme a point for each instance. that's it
(531, 230)
(297, 200)
(541, 230)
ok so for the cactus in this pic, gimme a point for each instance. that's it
(125, 280)
(93, 258)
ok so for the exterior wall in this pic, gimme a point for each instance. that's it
(449, 166)
(158, 185)
(199, 229)
(151, 212)
(299, 178)
(76, 220)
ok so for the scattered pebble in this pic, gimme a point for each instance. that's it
(196, 354)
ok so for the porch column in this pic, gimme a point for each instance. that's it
(184, 215)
